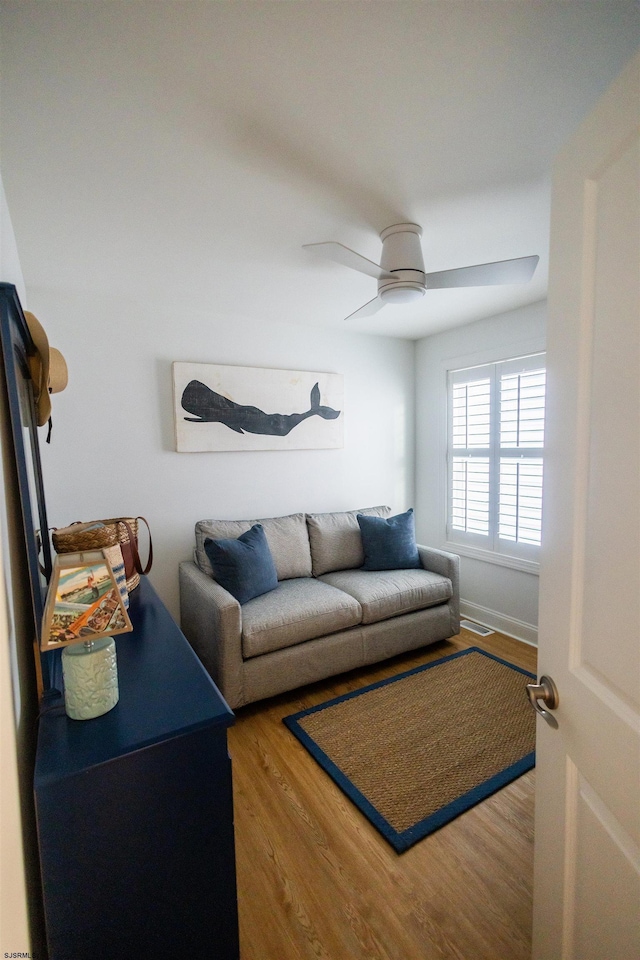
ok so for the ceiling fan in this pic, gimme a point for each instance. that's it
(401, 276)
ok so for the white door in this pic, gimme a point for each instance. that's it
(587, 843)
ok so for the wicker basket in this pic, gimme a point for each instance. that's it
(81, 537)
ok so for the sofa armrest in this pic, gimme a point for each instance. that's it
(447, 565)
(211, 620)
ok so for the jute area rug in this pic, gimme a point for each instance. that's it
(418, 749)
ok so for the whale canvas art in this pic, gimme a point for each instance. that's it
(219, 407)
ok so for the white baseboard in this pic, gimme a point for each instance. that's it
(518, 629)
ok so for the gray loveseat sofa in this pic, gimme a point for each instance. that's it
(326, 615)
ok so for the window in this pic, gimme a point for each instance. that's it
(495, 456)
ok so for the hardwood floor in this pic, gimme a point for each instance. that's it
(316, 880)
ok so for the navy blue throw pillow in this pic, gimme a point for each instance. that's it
(244, 566)
(389, 544)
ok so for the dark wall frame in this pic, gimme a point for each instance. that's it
(17, 346)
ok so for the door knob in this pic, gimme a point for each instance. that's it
(547, 692)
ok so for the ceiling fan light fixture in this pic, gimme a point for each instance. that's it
(402, 293)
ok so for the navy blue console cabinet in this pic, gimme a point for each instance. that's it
(135, 809)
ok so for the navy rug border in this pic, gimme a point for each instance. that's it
(402, 841)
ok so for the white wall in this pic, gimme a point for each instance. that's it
(504, 598)
(126, 172)
(112, 451)
(15, 715)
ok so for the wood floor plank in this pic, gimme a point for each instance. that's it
(316, 880)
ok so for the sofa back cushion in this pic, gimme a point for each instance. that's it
(289, 542)
(287, 538)
(216, 530)
(336, 543)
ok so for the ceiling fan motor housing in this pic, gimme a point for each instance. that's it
(402, 257)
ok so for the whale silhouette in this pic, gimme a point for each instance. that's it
(211, 407)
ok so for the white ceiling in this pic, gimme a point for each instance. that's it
(193, 147)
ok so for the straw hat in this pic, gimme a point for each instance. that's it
(48, 369)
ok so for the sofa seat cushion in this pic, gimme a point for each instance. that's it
(297, 610)
(389, 593)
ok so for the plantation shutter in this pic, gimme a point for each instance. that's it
(522, 397)
(495, 456)
(471, 440)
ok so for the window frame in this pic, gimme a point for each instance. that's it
(490, 547)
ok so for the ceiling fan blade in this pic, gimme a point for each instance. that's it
(347, 257)
(519, 270)
(368, 309)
